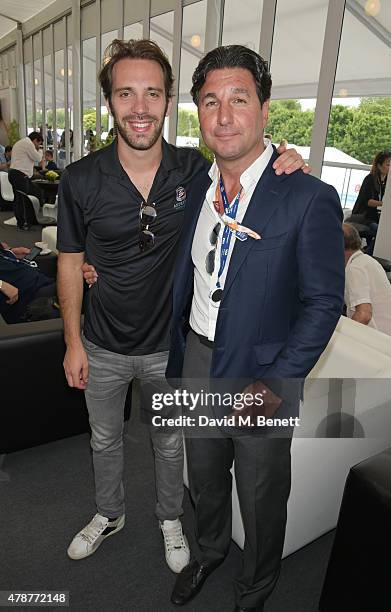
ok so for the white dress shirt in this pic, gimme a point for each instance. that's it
(367, 283)
(204, 311)
(24, 155)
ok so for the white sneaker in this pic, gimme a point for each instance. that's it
(88, 539)
(175, 545)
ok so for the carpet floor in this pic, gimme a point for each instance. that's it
(47, 496)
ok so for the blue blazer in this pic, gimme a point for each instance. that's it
(283, 294)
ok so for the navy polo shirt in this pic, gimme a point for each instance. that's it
(128, 310)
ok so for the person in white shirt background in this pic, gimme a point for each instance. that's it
(367, 288)
(25, 154)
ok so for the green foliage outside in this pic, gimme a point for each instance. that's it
(360, 132)
(188, 124)
(13, 132)
(89, 120)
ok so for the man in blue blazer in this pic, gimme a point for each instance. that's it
(258, 290)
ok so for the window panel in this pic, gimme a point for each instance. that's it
(89, 90)
(193, 44)
(360, 118)
(242, 23)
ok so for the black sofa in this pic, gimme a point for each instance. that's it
(37, 406)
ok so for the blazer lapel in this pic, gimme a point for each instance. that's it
(198, 189)
(267, 197)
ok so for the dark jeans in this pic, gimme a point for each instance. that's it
(371, 238)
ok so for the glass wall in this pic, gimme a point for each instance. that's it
(135, 30)
(38, 95)
(89, 91)
(162, 33)
(242, 23)
(106, 120)
(192, 49)
(360, 119)
(47, 66)
(295, 66)
(360, 114)
(28, 76)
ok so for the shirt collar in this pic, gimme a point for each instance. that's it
(253, 173)
(110, 164)
(354, 256)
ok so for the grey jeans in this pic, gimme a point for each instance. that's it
(108, 380)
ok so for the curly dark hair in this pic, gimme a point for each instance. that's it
(133, 49)
(233, 56)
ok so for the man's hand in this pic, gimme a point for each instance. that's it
(362, 313)
(289, 161)
(11, 292)
(76, 366)
(257, 400)
(90, 275)
(20, 252)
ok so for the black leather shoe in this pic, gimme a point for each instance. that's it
(189, 582)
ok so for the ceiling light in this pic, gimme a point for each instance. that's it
(343, 93)
(372, 7)
(195, 40)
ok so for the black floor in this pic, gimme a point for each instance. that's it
(15, 237)
(46, 496)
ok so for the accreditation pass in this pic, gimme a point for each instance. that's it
(34, 598)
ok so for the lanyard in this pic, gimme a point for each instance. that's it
(230, 210)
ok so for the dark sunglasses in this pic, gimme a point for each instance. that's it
(146, 239)
(211, 256)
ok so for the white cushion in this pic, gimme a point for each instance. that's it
(49, 235)
(7, 193)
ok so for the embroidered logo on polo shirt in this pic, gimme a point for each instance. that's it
(180, 197)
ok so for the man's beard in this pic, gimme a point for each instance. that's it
(141, 142)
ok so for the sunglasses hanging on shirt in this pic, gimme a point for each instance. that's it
(146, 238)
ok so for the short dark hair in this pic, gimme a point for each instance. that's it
(49, 152)
(233, 56)
(352, 240)
(8, 149)
(133, 49)
(36, 136)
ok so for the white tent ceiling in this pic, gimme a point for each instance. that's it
(12, 11)
(365, 49)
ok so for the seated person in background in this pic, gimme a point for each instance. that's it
(21, 285)
(371, 194)
(367, 288)
(50, 163)
(5, 159)
(25, 153)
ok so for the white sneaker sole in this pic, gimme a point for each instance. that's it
(120, 526)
